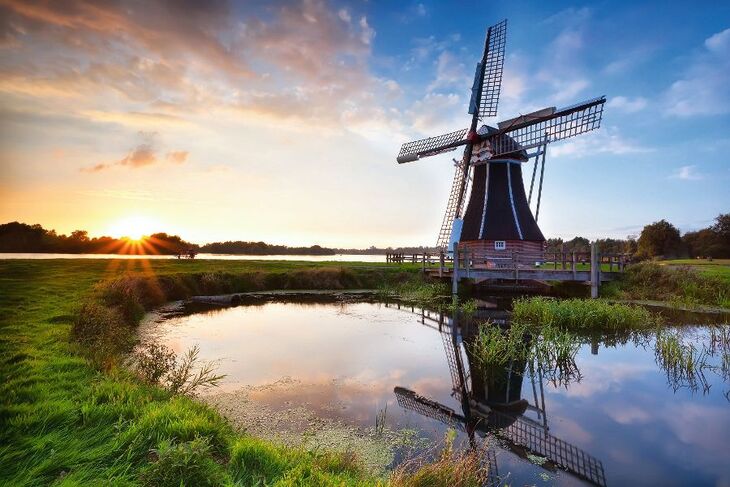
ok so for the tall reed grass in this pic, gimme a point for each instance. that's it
(582, 315)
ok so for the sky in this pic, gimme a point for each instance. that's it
(280, 121)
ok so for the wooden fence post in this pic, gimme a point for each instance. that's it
(573, 268)
(455, 275)
(595, 270)
(441, 264)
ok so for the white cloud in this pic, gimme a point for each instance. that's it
(627, 105)
(687, 173)
(450, 73)
(344, 14)
(704, 87)
(421, 9)
(604, 140)
(368, 33)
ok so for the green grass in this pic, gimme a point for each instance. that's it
(581, 315)
(64, 422)
(717, 268)
(683, 285)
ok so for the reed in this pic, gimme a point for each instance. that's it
(582, 315)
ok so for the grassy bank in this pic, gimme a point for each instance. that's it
(682, 285)
(65, 422)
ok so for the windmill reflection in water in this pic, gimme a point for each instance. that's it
(492, 404)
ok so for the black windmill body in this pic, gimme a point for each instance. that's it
(497, 218)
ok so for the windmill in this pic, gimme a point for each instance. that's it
(492, 405)
(497, 217)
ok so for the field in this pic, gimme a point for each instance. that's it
(717, 267)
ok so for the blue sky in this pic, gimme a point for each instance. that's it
(280, 121)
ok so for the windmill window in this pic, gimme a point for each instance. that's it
(499, 245)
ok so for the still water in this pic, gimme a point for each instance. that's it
(622, 420)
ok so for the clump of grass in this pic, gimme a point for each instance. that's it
(416, 291)
(101, 331)
(686, 361)
(683, 362)
(187, 463)
(468, 307)
(682, 286)
(157, 364)
(451, 469)
(551, 349)
(582, 314)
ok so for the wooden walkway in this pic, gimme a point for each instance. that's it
(587, 267)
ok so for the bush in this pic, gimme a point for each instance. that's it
(102, 331)
(157, 364)
(188, 463)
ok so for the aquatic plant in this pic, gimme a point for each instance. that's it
(416, 291)
(684, 363)
(582, 315)
(452, 468)
(548, 348)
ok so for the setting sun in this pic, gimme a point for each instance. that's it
(133, 227)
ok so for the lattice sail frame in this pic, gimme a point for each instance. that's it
(494, 67)
(563, 124)
(411, 151)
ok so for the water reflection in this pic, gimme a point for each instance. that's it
(492, 404)
(617, 409)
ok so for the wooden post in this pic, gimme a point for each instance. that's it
(455, 275)
(562, 255)
(575, 271)
(423, 262)
(595, 270)
(467, 257)
(441, 264)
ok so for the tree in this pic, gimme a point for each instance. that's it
(659, 239)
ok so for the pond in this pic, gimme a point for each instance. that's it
(389, 381)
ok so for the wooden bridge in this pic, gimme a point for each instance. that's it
(588, 267)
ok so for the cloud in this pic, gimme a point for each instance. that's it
(450, 73)
(143, 155)
(604, 140)
(703, 88)
(687, 173)
(627, 105)
(173, 60)
(177, 157)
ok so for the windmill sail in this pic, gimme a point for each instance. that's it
(516, 430)
(412, 151)
(547, 125)
(488, 74)
(452, 207)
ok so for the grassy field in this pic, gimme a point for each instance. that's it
(64, 422)
(718, 267)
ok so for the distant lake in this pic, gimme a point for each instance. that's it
(312, 258)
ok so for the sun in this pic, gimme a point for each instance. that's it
(133, 227)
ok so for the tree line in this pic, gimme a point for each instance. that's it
(659, 240)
